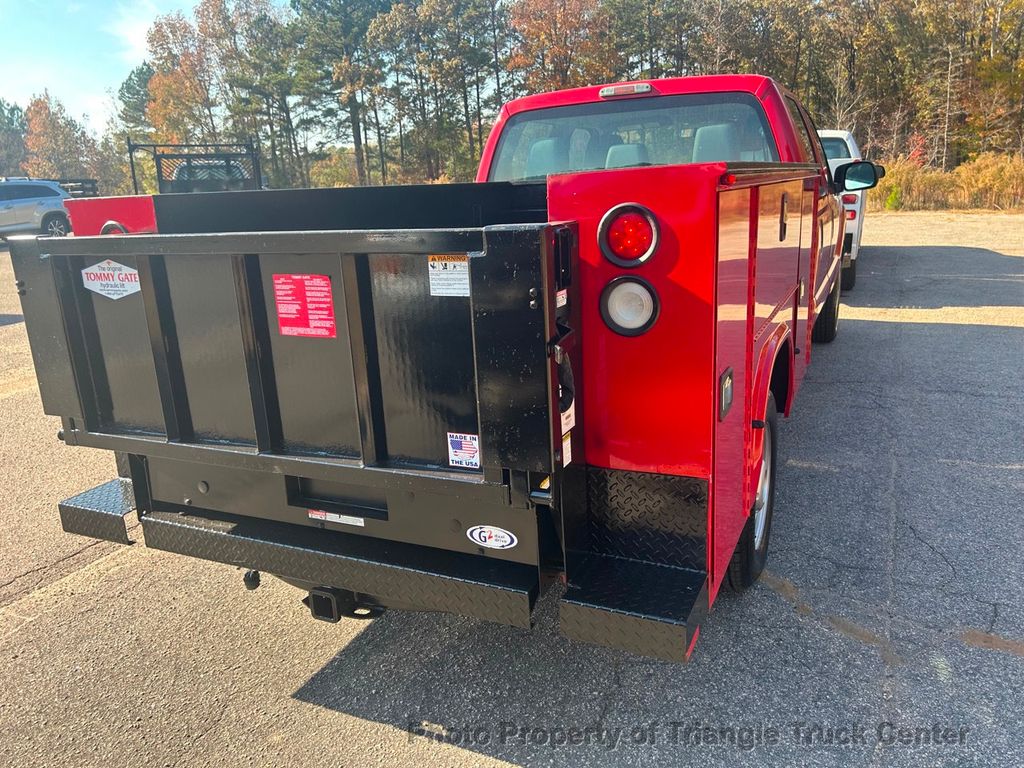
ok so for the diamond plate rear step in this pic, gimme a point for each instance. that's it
(650, 609)
(100, 511)
(393, 572)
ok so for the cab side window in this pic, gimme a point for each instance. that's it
(819, 150)
(801, 130)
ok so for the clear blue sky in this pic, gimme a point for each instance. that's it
(79, 50)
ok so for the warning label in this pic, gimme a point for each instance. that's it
(333, 517)
(305, 305)
(110, 279)
(449, 274)
(569, 417)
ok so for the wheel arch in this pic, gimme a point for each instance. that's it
(773, 375)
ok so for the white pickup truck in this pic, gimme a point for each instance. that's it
(840, 147)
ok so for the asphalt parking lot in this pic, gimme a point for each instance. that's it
(893, 610)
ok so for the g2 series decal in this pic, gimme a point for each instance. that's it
(492, 537)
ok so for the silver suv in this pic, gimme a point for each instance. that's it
(33, 205)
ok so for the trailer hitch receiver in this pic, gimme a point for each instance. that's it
(329, 604)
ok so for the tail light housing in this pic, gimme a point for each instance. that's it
(851, 215)
(629, 305)
(628, 235)
(849, 199)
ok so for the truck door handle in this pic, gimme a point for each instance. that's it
(783, 216)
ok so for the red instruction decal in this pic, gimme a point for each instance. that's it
(305, 305)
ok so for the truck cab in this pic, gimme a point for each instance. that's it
(450, 397)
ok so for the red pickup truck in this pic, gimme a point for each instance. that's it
(450, 397)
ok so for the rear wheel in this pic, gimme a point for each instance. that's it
(826, 326)
(849, 276)
(55, 225)
(752, 550)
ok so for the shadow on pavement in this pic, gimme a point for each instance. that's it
(944, 276)
(10, 320)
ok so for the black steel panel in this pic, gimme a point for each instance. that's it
(100, 511)
(657, 518)
(647, 609)
(116, 336)
(202, 293)
(467, 486)
(41, 309)
(181, 483)
(313, 376)
(406, 574)
(417, 515)
(425, 353)
(424, 206)
(163, 339)
(511, 331)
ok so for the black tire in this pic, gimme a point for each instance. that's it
(55, 225)
(826, 326)
(751, 554)
(849, 277)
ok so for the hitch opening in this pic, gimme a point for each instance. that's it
(328, 604)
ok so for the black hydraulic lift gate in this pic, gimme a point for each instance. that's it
(192, 374)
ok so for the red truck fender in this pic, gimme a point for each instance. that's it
(776, 350)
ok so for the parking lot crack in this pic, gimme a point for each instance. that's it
(935, 550)
(46, 566)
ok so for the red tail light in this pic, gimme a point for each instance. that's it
(849, 199)
(628, 235)
(851, 215)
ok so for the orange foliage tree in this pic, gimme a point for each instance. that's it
(183, 102)
(56, 144)
(562, 43)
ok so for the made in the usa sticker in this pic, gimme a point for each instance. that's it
(464, 450)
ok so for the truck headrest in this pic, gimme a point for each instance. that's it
(543, 158)
(627, 156)
(716, 143)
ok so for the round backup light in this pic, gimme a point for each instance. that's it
(629, 305)
(628, 235)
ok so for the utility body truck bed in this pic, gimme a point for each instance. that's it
(448, 397)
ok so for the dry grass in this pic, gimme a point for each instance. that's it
(991, 181)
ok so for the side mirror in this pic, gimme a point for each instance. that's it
(851, 177)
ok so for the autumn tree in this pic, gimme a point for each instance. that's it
(183, 102)
(56, 145)
(563, 43)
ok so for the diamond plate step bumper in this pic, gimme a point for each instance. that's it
(393, 572)
(100, 512)
(650, 609)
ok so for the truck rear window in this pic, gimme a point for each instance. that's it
(835, 148)
(660, 130)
